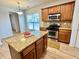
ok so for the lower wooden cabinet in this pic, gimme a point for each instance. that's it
(64, 36)
(45, 42)
(33, 51)
(29, 53)
(39, 48)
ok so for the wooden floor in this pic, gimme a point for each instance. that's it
(53, 43)
(56, 54)
(55, 50)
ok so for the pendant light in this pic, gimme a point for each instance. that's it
(19, 9)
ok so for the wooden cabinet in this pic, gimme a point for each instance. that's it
(55, 9)
(45, 15)
(33, 51)
(64, 36)
(29, 53)
(39, 48)
(45, 42)
(43, 29)
(67, 12)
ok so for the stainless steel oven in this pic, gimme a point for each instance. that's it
(53, 30)
(53, 34)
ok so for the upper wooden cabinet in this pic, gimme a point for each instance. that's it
(45, 14)
(67, 12)
(55, 9)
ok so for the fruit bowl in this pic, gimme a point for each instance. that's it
(27, 34)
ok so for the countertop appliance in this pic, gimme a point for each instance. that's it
(54, 17)
(53, 31)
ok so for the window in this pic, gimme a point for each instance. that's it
(33, 21)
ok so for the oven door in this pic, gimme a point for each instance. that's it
(53, 34)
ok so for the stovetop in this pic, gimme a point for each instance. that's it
(54, 27)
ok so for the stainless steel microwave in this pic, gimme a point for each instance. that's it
(53, 17)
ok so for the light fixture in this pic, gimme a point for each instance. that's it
(19, 8)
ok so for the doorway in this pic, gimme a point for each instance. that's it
(14, 19)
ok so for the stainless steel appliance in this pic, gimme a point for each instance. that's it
(54, 17)
(53, 34)
(53, 31)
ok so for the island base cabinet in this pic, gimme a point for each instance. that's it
(33, 51)
(30, 55)
(39, 48)
(45, 42)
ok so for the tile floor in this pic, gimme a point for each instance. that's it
(55, 50)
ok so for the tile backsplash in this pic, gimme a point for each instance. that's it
(45, 24)
(62, 24)
(66, 24)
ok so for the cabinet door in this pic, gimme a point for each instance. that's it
(55, 9)
(67, 11)
(30, 55)
(45, 15)
(67, 36)
(64, 36)
(45, 42)
(61, 36)
(39, 48)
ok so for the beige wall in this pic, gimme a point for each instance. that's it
(5, 25)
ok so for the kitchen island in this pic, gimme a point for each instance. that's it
(28, 48)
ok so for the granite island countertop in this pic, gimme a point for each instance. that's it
(19, 42)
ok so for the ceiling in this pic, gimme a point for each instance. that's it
(24, 3)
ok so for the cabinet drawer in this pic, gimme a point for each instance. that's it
(27, 50)
(39, 41)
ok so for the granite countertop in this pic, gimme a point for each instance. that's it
(19, 42)
(62, 28)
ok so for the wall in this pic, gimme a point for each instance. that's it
(25, 21)
(38, 8)
(75, 22)
(15, 21)
(22, 23)
(5, 26)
